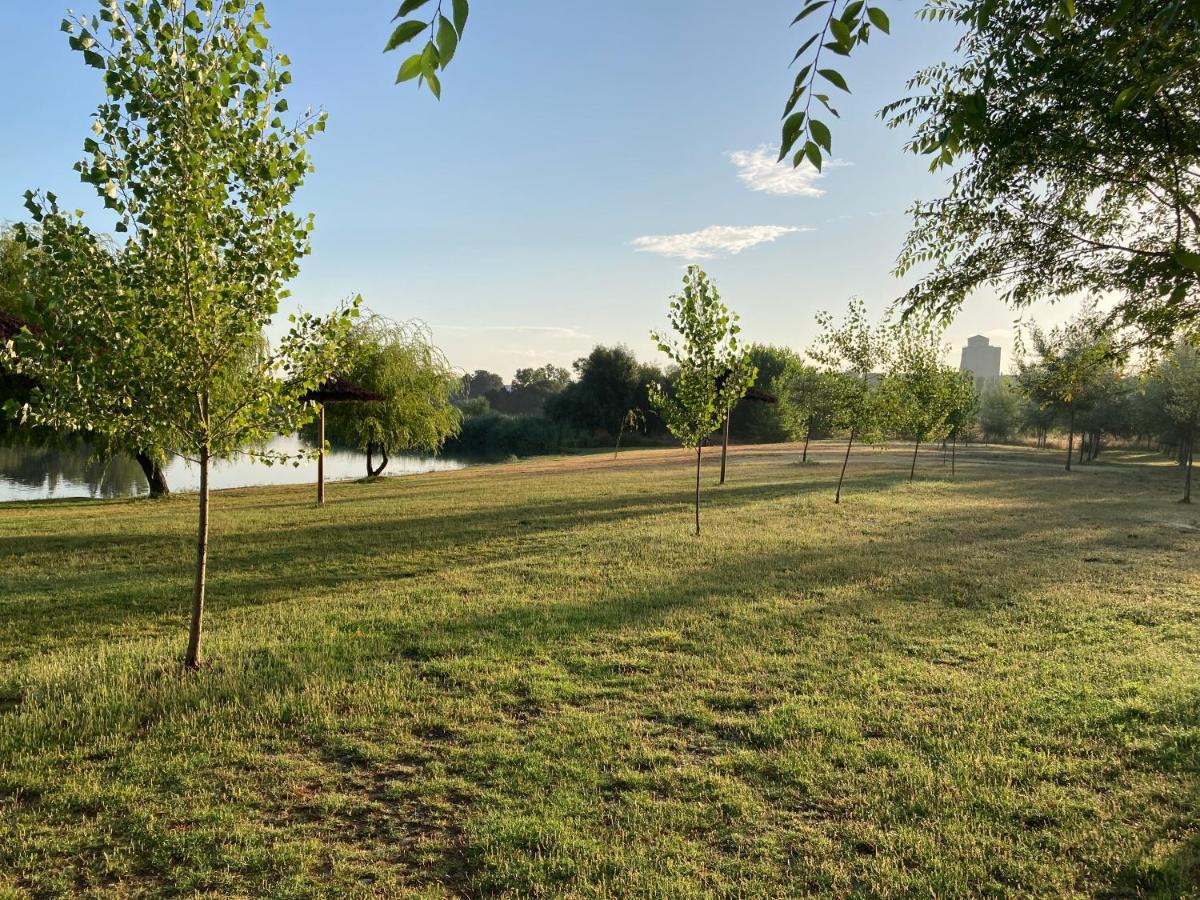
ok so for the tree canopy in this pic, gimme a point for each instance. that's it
(159, 340)
(714, 370)
(398, 361)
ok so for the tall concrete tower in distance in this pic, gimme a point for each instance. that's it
(982, 360)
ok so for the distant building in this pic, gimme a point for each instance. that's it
(982, 360)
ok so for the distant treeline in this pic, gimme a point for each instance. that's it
(554, 410)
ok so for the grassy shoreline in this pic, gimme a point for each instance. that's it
(531, 679)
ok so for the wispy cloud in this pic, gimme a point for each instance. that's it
(713, 240)
(557, 331)
(759, 171)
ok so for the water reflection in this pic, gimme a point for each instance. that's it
(40, 473)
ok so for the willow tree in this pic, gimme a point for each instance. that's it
(398, 361)
(714, 369)
(160, 342)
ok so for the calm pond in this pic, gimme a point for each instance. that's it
(35, 473)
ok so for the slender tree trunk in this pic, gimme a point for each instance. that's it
(953, 453)
(1071, 441)
(837, 498)
(698, 449)
(155, 477)
(620, 434)
(370, 459)
(321, 456)
(1187, 472)
(725, 443)
(807, 437)
(192, 660)
(912, 472)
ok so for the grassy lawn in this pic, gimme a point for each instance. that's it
(532, 680)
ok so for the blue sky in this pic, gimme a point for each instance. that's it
(508, 216)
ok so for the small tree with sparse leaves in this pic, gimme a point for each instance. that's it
(852, 354)
(714, 369)
(160, 341)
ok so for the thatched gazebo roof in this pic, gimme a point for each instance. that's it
(339, 390)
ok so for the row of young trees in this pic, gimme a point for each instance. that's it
(1076, 378)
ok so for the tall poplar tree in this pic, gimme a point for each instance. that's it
(160, 342)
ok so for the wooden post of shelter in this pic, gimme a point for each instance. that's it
(336, 390)
(752, 393)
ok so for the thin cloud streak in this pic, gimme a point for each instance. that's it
(759, 170)
(552, 330)
(712, 241)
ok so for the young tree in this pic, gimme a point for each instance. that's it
(999, 411)
(398, 361)
(921, 391)
(1104, 409)
(853, 354)
(713, 368)
(807, 400)
(963, 403)
(160, 343)
(1068, 361)
(1180, 376)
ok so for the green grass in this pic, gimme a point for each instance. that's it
(532, 680)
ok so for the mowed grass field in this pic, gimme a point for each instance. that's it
(531, 680)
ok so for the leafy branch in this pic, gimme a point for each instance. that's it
(439, 49)
(839, 34)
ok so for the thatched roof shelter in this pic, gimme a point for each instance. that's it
(339, 390)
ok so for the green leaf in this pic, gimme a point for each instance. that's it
(813, 153)
(809, 10)
(93, 59)
(404, 33)
(409, 69)
(791, 131)
(408, 6)
(834, 77)
(841, 32)
(447, 39)
(805, 46)
(820, 133)
(1125, 97)
(434, 85)
(192, 21)
(461, 10)
(879, 19)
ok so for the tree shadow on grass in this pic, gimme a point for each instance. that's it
(1153, 872)
(309, 554)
